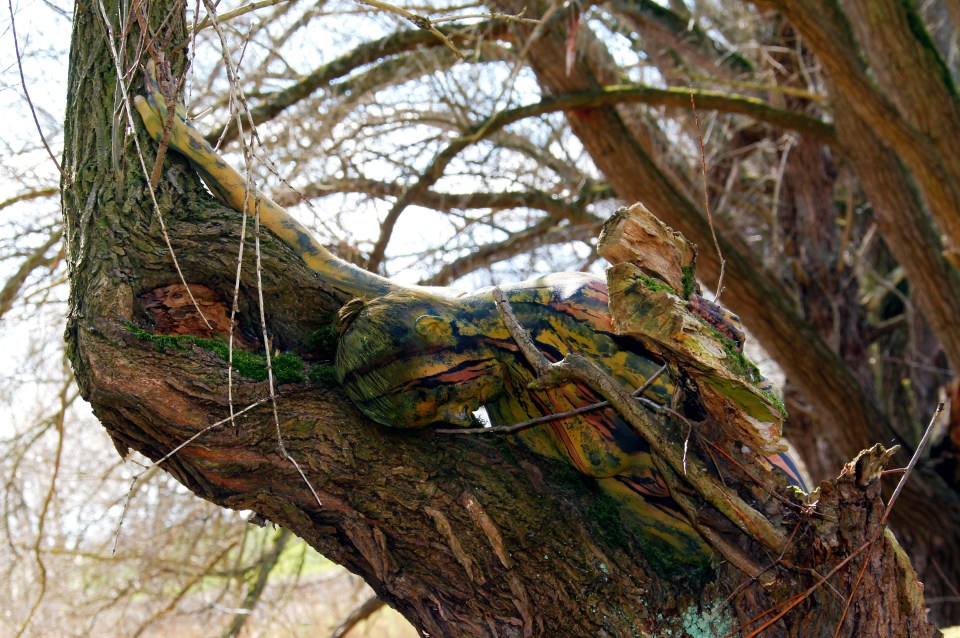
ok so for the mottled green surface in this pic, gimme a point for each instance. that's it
(287, 368)
(411, 357)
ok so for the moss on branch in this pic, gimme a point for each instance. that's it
(287, 367)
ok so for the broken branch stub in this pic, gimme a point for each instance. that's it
(634, 235)
(643, 307)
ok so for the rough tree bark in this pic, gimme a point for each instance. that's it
(848, 413)
(465, 536)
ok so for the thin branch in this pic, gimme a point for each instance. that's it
(706, 203)
(168, 455)
(754, 576)
(761, 87)
(275, 103)
(65, 401)
(790, 603)
(543, 233)
(682, 33)
(235, 13)
(37, 259)
(589, 99)
(29, 195)
(419, 21)
(523, 425)
(759, 110)
(913, 462)
(196, 578)
(265, 567)
(491, 16)
(235, 88)
(559, 208)
(26, 93)
(269, 357)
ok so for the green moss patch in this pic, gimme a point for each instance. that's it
(323, 341)
(287, 368)
(741, 365)
(655, 284)
(776, 401)
(689, 281)
(323, 374)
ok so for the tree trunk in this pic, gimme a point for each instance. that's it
(469, 536)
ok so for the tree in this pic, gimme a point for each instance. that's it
(897, 163)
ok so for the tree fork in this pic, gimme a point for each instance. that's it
(450, 531)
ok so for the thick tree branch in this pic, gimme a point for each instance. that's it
(37, 259)
(827, 32)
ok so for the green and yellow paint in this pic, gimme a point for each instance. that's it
(413, 357)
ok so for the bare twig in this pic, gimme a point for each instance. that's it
(755, 576)
(360, 613)
(706, 200)
(208, 20)
(912, 463)
(235, 88)
(29, 195)
(686, 445)
(213, 19)
(172, 600)
(753, 478)
(267, 563)
(37, 259)
(266, 350)
(65, 401)
(590, 99)
(775, 206)
(790, 603)
(26, 93)
(523, 425)
(419, 21)
(492, 16)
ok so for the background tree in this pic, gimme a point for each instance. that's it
(831, 186)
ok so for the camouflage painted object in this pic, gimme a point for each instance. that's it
(413, 357)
